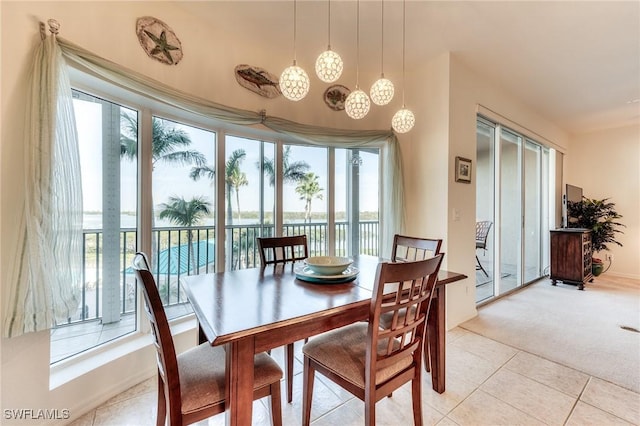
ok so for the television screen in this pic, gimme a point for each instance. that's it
(573, 194)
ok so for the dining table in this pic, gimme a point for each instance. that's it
(254, 310)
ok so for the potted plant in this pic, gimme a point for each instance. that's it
(601, 218)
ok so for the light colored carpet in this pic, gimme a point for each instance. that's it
(579, 329)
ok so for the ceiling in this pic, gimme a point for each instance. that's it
(575, 63)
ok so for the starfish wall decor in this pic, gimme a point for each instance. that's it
(158, 40)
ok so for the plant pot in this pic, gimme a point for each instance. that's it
(597, 268)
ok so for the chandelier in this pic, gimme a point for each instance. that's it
(329, 64)
(382, 90)
(403, 120)
(357, 103)
(294, 81)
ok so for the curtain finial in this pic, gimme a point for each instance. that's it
(54, 26)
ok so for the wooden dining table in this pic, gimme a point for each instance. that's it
(254, 310)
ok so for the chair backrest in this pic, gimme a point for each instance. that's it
(163, 341)
(282, 249)
(482, 231)
(407, 249)
(408, 305)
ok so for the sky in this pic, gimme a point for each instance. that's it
(173, 180)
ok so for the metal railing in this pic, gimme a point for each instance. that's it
(177, 252)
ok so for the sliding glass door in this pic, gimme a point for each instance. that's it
(509, 221)
(512, 194)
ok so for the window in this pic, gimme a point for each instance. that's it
(150, 183)
(183, 208)
(108, 295)
(305, 192)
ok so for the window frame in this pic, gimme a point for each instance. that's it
(147, 109)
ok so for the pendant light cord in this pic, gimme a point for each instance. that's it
(382, 41)
(294, 31)
(329, 25)
(404, 24)
(357, 43)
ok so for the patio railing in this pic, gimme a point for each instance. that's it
(177, 252)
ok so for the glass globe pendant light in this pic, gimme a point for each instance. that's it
(329, 64)
(294, 81)
(403, 120)
(357, 103)
(382, 90)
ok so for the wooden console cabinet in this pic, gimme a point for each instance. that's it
(571, 256)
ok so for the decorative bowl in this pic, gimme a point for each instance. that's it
(328, 265)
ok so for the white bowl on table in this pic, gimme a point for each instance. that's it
(328, 265)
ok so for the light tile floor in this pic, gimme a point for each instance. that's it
(488, 383)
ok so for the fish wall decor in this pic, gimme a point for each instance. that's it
(258, 80)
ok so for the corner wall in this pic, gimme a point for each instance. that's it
(606, 164)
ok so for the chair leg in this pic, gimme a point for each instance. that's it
(416, 397)
(307, 391)
(276, 404)
(426, 354)
(479, 267)
(370, 409)
(288, 367)
(162, 404)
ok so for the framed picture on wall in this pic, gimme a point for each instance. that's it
(463, 170)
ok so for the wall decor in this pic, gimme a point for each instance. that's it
(258, 80)
(463, 170)
(335, 96)
(158, 40)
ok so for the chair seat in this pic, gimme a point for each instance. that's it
(202, 376)
(343, 351)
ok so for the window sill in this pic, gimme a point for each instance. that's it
(71, 369)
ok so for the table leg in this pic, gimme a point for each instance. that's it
(436, 335)
(239, 390)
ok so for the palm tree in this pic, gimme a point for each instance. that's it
(167, 145)
(292, 172)
(234, 179)
(167, 142)
(308, 189)
(186, 214)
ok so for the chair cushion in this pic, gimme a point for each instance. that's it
(385, 319)
(343, 351)
(202, 375)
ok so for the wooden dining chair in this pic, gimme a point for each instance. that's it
(407, 248)
(276, 250)
(414, 248)
(191, 385)
(370, 360)
(282, 249)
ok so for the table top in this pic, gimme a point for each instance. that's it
(235, 304)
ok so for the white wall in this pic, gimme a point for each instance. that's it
(444, 97)
(606, 164)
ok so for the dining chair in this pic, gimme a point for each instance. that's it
(370, 360)
(482, 232)
(282, 249)
(277, 250)
(407, 248)
(191, 385)
(414, 248)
